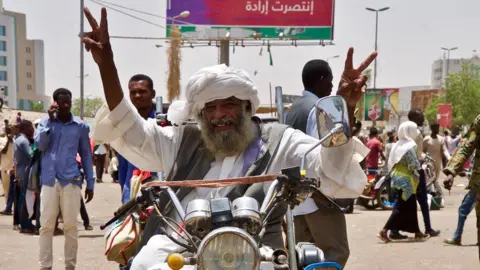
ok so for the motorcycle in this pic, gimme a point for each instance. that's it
(376, 192)
(224, 234)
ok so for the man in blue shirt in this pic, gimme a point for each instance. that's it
(60, 137)
(142, 94)
(23, 156)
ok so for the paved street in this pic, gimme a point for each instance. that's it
(20, 251)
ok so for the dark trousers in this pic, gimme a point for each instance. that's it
(100, 165)
(16, 204)
(83, 213)
(25, 221)
(423, 200)
(11, 194)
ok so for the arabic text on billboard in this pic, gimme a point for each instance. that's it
(210, 19)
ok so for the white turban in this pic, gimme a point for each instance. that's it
(212, 83)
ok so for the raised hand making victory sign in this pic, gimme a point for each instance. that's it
(98, 40)
(352, 83)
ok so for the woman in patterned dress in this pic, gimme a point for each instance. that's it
(404, 165)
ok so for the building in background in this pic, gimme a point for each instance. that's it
(22, 66)
(8, 60)
(439, 67)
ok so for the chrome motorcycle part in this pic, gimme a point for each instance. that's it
(246, 215)
(198, 219)
(280, 259)
(228, 248)
(308, 253)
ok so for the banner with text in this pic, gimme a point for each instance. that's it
(308, 19)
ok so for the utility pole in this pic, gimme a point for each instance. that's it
(82, 75)
(225, 52)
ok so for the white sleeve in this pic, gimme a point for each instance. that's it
(312, 123)
(143, 143)
(337, 168)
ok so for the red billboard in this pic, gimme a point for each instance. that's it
(444, 116)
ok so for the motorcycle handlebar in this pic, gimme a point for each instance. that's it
(123, 210)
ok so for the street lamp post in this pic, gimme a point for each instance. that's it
(376, 39)
(82, 75)
(448, 59)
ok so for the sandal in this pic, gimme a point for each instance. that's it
(383, 237)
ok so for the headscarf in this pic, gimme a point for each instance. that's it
(407, 133)
(212, 83)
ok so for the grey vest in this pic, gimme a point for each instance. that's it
(297, 116)
(193, 162)
(193, 159)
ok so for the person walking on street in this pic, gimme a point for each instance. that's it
(404, 168)
(60, 137)
(100, 153)
(376, 151)
(467, 146)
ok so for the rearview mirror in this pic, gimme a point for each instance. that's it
(332, 116)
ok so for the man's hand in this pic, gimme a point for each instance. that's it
(447, 184)
(52, 110)
(352, 84)
(88, 195)
(98, 41)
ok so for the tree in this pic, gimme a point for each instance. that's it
(463, 92)
(37, 106)
(90, 106)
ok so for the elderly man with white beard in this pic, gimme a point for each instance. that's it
(227, 143)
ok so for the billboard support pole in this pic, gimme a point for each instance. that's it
(225, 52)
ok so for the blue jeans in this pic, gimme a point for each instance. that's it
(465, 208)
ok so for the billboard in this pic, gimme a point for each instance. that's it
(380, 104)
(210, 19)
(422, 99)
(444, 116)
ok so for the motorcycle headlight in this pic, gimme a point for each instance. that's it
(228, 248)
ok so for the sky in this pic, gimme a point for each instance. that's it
(410, 35)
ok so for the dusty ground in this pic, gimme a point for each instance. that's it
(367, 253)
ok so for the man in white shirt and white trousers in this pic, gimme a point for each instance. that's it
(228, 142)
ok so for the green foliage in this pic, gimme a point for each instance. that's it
(463, 92)
(90, 106)
(37, 106)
